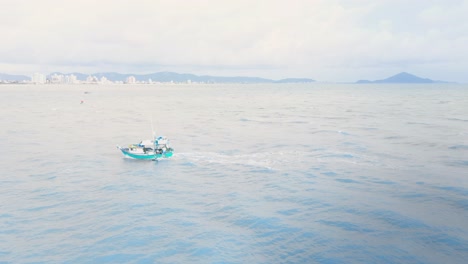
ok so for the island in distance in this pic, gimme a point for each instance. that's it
(402, 77)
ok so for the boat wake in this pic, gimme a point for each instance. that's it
(290, 159)
(265, 160)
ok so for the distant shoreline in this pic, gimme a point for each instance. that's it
(182, 78)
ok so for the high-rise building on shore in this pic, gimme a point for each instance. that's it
(131, 80)
(71, 79)
(56, 78)
(92, 79)
(38, 78)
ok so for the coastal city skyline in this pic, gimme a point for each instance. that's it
(118, 78)
(332, 41)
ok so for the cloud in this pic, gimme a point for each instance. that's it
(310, 38)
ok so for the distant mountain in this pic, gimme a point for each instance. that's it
(16, 78)
(182, 77)
(402, 77)
(295, 80)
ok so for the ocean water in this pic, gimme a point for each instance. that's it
(277, 173)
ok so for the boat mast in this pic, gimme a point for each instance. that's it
(153, 134)
(152, 128)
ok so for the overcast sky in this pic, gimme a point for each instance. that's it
(326, 40)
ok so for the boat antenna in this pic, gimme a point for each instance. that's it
(152, 128)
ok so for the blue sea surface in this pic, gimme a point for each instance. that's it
(266, 173)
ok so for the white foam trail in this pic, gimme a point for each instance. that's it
(268, 160)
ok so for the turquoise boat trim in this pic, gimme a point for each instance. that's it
(138, 156)
(166, 154)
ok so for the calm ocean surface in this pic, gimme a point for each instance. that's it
(292, 173)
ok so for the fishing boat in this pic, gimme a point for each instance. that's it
(149, 149)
